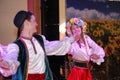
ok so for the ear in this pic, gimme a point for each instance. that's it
(26, 23)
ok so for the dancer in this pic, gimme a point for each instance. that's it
(26, 57)
(82, 50)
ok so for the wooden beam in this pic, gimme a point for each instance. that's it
(35, 7)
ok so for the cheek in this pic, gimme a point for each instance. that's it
(33, 25)
(80, 31)
(73, 31)
(77, 31)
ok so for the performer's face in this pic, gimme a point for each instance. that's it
(33, 24)
(76, 30)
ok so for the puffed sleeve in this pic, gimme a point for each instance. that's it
(3, 49)
(96, 49)
(11, 59)
(57, 47)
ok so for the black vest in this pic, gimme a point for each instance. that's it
(21, 73)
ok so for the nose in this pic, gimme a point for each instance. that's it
(76, 29)
(36, 24)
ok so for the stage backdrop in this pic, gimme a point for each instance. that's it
(103, 22)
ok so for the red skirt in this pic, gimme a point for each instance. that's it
(36, 77)
(79, 74)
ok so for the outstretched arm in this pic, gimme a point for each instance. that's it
(3, 64)
(58, 47)
(8, 62)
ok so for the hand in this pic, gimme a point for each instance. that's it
(4, 64)
(94, 56)
(1, 59)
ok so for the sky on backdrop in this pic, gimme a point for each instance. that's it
(93, 9)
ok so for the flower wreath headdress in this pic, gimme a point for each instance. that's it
(78, 22)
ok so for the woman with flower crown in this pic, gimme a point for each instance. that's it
(82, 50)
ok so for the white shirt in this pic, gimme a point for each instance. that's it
(36, 60)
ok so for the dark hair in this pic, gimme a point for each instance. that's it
(19, 19)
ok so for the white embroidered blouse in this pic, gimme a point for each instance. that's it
(83, 53)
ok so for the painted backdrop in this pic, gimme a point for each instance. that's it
(103, 22)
